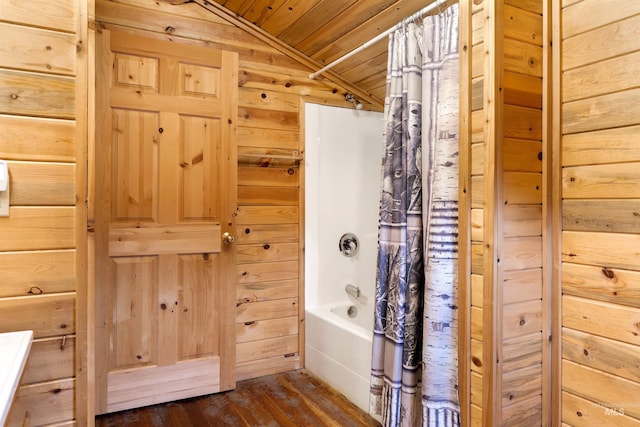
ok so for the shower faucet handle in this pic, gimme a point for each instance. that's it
(348, 244)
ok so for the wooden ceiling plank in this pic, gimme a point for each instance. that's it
(187, 9)
(371, 81)
(323, 12)
(239, 6)
(262, 10)
(262, 35)
(368, 30)
(376, 66)
(286, 15)
(359, 13)
(380, 91)
(356, 60)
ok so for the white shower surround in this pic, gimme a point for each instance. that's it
(343, 149)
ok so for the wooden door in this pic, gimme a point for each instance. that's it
(165, 192)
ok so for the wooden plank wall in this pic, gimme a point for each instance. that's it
(600, 148)
(521, 264)
(39, 253)
(272, 92)
(477, 210)
(514, 202)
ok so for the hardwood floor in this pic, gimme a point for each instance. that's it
(293, 398)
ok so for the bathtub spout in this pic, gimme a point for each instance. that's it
(354, 291)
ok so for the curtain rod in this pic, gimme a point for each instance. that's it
(379, 37)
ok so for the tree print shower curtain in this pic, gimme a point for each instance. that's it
(414, 373)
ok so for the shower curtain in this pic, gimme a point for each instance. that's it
(414, 373)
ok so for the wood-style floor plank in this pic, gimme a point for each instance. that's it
(290, 399)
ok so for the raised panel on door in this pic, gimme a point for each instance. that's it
(197, 80)
(199, 162)
(198, 299)
(135, 166)
(134, 291)
(165, 193)
(141, 72)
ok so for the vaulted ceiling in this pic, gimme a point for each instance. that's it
(321, 31)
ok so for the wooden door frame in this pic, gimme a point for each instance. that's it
(84, 368)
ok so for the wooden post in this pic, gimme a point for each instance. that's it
(84, 413)
(464, 219)
(493, 187)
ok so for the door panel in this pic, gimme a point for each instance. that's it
(134, 284)
(135, 162)
(162, 239)
(165, 193)
(198, 304)
(199, 157)
(199, 80)
(143, 387)
(136, 71)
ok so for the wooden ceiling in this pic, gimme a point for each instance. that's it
(324, 30)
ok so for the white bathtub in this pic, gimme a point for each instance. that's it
(338, 348)
(343, 148)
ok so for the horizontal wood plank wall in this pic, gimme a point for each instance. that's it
(601, 227)
(270, 312)
(476, 177)
(518, 309)
(38, 250)
(465, 218)
(522, 310)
